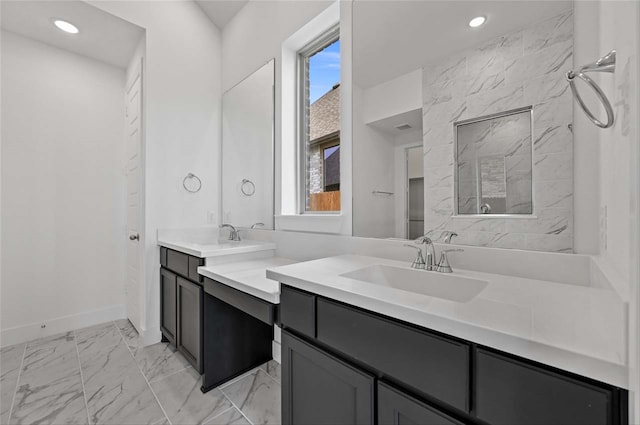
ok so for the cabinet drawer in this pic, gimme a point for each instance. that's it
(253, 306)
(512, 392)
(398, 408)
(194, 263)
(178, 262)
(163, 256)
(298, 310)
(428, 363)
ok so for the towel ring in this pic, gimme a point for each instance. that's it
(596, 88)
(191, 176)
(247, 184)
(607, 63)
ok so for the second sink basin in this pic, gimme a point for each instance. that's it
(433, 284)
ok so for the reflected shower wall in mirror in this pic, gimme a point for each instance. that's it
(247, 150)
(494, 170)
(516, 60)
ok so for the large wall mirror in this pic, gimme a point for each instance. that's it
(464, 128)
(248, 150)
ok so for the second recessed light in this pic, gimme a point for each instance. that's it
(66, 26)
(477, 21)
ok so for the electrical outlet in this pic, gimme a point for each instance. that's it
(603, 227)
(211, 217)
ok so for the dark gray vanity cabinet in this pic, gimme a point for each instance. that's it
(168, 318)
(398, 408)
(189, 323)
(320, 389)
(181, 304)
(509, 391)
(330, 349)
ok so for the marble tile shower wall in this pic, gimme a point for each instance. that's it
(522, 68)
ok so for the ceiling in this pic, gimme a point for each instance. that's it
(221, 11)
(389, 125)
(102, 36)
(393, 37)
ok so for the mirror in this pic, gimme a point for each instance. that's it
(494, 173)
(247, 150)
(487, 107)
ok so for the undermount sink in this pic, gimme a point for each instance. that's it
(433, 284)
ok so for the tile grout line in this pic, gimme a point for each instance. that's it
(142, 373)
(15, 392)
(236, 406)
(84, 391)
(211, 418)
(162, 378)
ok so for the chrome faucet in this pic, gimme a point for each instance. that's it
(418, 263)
(443, 264)
(234, 234)
(430, 251)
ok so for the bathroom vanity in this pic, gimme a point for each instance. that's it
(217, 306)
(181, 303)
(357, 352)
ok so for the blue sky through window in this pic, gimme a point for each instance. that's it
(324, 71)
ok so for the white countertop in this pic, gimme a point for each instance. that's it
(576, 328)
(215, 247)
(248, 276)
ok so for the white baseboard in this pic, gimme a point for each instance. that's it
(276, 351)
(58, 325)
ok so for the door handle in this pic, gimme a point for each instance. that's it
(135, 237)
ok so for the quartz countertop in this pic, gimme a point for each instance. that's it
(215, 247)
(248, 276)
(577, 328)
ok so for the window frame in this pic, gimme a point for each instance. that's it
(319, 43)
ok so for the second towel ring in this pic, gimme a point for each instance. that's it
(198, 183)
(247, 187)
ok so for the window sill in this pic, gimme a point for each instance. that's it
(316, 223)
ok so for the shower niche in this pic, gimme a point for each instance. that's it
(493, 164)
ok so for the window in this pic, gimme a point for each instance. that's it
(319, 132)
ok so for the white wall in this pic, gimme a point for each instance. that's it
(182, 119)
(619, 28)
(63, 190)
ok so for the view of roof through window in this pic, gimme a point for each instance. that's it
(324, 71)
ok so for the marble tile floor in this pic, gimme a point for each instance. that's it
(104, 375)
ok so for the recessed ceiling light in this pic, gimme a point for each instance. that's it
(477, 21)
(66, 26)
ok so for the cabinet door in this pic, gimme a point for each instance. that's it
(317, 388)
(512, 392)
(189, 340)
(398, 408)
(168, 305)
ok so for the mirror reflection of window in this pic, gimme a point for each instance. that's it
(494, 164)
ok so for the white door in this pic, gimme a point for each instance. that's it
(133, 135)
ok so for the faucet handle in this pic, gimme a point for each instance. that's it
(448, 235)
(419, 262)
(259, 224)
(424, 239)
(443, 264)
